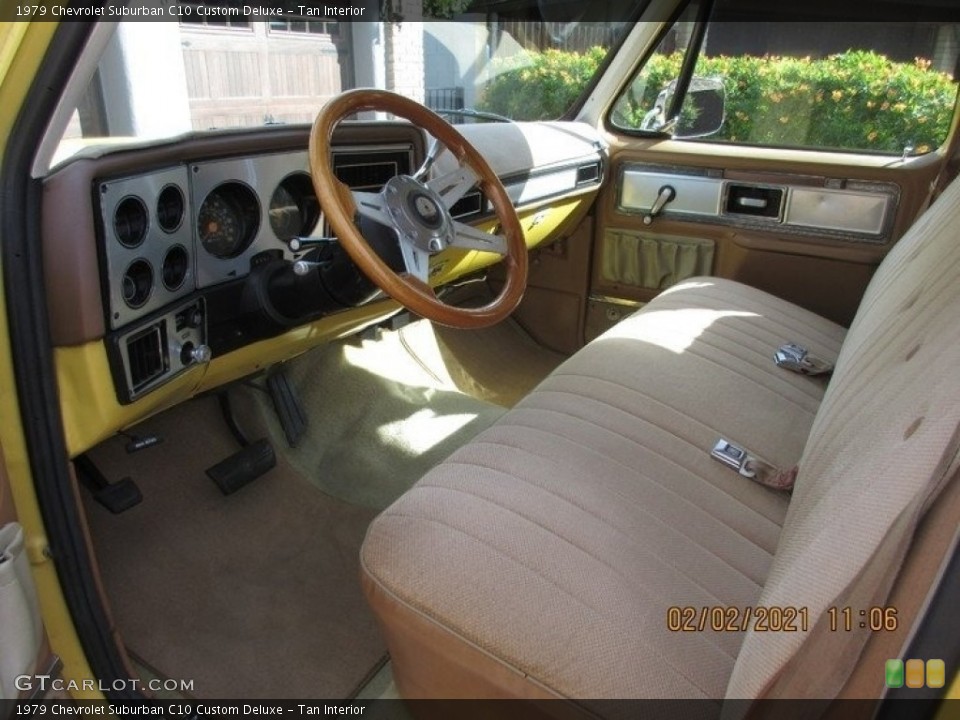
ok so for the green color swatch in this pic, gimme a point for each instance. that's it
(894, 673)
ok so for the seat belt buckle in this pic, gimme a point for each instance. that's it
(733, 456)
(745, 464)
(797, 358)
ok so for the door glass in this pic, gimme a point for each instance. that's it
(876, 87)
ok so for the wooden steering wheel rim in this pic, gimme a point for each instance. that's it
(338, 204)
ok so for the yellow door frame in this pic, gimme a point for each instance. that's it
(22, 49)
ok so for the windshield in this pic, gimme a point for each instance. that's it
(207, 71)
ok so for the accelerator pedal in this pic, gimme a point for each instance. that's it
(243, 467)
(286, 403)
(247, 464)
(116, 497)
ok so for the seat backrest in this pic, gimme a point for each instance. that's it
(883, 443)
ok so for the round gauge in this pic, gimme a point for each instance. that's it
(137, 283)
(294, 210)
(176, 263)
(228, 220)
(170, 208)
(130, 221)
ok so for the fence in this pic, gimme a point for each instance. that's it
(448, 98)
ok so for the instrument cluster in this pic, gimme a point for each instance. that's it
(199, 261)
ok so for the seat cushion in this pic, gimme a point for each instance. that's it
(541, 559)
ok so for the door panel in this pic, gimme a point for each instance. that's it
(867, 203)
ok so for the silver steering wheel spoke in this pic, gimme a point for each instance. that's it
(371, 206)
(417, 261)
(454, 185)
(468, 237)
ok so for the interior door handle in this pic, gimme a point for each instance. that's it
(666, 194)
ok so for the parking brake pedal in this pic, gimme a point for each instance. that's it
(287, 405)
(115, 497)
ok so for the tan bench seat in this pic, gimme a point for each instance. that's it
(540, 560)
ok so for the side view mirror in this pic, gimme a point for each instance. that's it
(702, 114)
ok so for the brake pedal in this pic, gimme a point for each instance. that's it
(117, 497)
(243, 467)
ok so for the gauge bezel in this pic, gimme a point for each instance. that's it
(142, 206)
(186, 268)
(151, 283)
(251, 227)
(299, 186)
(170, 229)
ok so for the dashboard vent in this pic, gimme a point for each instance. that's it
(369, 170)
(147, 360)
(587, 174)
(470, 205)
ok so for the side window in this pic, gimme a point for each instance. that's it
(863, 87)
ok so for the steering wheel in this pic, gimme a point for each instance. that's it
(418, 211)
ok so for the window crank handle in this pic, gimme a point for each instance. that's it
(667, 193)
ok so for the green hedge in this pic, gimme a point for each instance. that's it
(857, 99)
(540, 85)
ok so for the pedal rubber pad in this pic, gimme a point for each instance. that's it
(290, 412)
(119, 496)
(243, 467)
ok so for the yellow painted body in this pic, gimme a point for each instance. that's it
(22, 47)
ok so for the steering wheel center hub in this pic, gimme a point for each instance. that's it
(418, 213)
(426, 209)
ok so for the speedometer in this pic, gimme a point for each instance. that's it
(228, 220)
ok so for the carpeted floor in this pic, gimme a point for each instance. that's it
(255, 595)
(499, 364)
(378, 420)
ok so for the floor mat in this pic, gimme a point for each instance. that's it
(255, 595)
(378, 419)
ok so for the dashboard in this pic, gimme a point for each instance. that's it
(213, 245)
(177, 260)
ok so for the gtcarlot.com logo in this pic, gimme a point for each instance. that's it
(48, 683)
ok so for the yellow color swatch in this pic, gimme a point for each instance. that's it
(936, 673)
